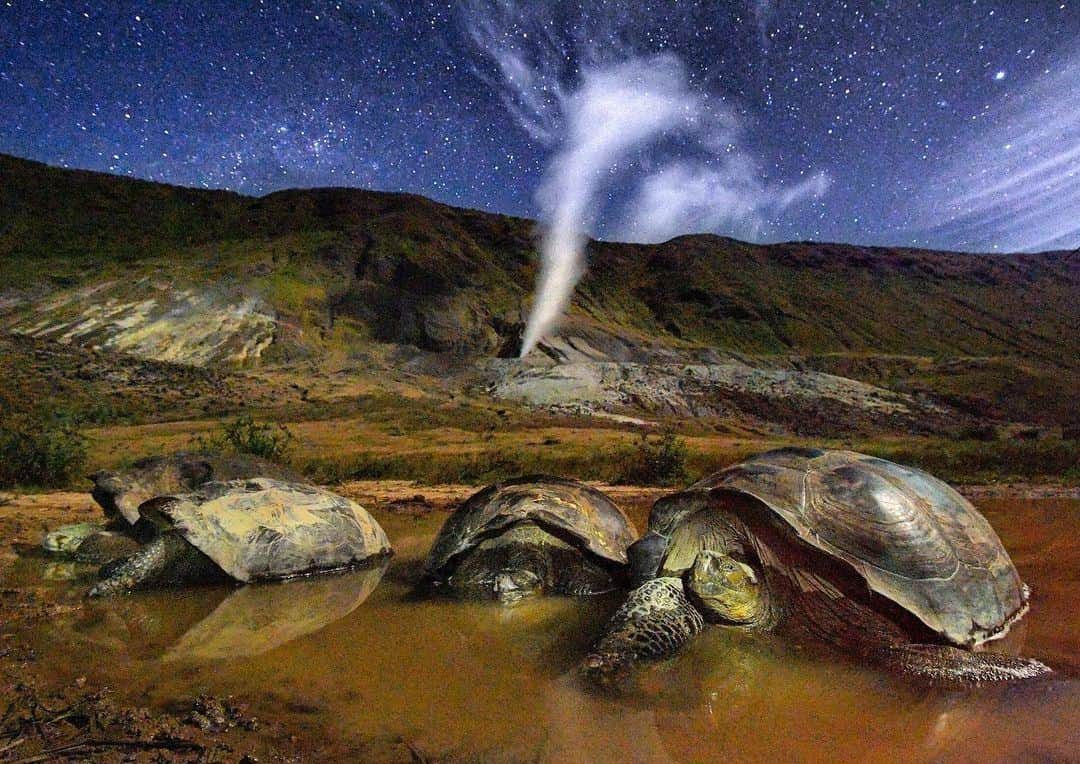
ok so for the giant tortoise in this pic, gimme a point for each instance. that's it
(246, 530)
(880, 560)
(530, 535)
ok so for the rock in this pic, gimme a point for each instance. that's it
(807, 401)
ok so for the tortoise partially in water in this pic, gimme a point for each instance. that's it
(531, 535)
(246, 530)
(883, 561)
(119, 495)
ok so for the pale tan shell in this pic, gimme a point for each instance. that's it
(121, 493)
(266, 529)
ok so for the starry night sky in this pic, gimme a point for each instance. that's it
(950, 125)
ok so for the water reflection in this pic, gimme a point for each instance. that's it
(478, 681)
(256, 619)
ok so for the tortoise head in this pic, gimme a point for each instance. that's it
(509, 586)
(501, 571)
(724, 589)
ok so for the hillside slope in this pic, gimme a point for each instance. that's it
(210, 277)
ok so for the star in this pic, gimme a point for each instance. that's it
(435, 98)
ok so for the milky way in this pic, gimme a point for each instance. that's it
(948, 125)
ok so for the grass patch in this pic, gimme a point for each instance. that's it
(244, 435)
(664, 460)
(660, 460)
(979, 461)
(40, 452)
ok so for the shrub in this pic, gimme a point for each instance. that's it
(654, 461)
(244, 435)
(981, 432)
(972, 461)
(41, 452)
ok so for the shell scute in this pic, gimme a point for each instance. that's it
(266, 529)
(580, 513)
(913, 538)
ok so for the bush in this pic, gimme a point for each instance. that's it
(980, 432)
(654, 461)
(40, 452)
(244, 435)
(1045, 459)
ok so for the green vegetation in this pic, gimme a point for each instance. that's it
(959, 462)
(40, 451)
(244, 435)
(358, 281)
(979, 461)
(659, 460)
(411, 271)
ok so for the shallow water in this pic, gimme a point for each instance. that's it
(353, 657)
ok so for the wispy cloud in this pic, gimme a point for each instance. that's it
(602, 107)
(1013, 185)
(685, 197)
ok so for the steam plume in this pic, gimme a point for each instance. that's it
(609, 115)
(614, 111)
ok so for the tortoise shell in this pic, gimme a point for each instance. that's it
(265, 529)
(576, 512)
(120, 493)
(913, 538)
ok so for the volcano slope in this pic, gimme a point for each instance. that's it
(314, 303)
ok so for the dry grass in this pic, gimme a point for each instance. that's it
(381, 447)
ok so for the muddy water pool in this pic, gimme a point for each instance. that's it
(357, 657)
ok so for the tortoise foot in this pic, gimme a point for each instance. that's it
(951, 665)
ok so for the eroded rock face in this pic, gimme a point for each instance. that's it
(155, 321)
(720, 389)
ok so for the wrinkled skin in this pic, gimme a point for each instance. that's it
(801, 593)
(724, 589)
(91, 542)
(168, 560)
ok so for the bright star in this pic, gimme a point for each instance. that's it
(1000, 75)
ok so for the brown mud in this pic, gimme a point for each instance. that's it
(306, 672)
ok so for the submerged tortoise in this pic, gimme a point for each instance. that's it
(531, 535)
(246, 530)
(883, 561)
(120, 493)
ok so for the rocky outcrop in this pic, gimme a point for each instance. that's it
(803, 401)
(154, 321)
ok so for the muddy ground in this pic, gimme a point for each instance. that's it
(44, 719)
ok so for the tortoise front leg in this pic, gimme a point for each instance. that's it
(951, 665)
(655, 621)
(163, 560)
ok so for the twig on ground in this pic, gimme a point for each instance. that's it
(89, 746)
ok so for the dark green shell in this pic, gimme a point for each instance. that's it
(580, 514)
(912, 538)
